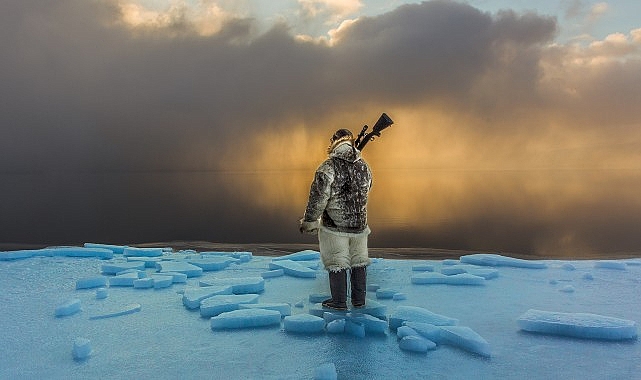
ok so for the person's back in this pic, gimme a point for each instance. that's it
(337, 211)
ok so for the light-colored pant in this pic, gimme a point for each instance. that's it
(342, 251)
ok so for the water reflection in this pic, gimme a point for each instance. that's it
(550, 213)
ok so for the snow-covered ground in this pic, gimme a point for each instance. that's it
(67, 314)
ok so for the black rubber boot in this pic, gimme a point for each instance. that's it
(338, 287)
(358, 279)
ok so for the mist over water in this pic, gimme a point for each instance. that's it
(555, 213)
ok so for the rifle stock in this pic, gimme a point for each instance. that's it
(383, 122)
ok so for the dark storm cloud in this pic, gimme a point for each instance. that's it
(80, 90)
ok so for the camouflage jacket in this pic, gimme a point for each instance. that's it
(338, 195)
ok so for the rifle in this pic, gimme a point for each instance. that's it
(383, 122)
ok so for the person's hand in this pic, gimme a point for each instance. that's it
(310, 228)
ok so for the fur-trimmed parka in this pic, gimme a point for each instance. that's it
(338, 195)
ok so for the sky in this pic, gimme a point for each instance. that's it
(106, 86)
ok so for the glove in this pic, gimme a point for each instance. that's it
(310, 228)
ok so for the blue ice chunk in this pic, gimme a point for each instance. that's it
(486, 273)
(450, 262)
(283, 308)
(610, 264)
(578, 325)
(143, 252)
(150, 262)
(177, 278)
(192, 296)
(304, 323)
(300, 304)
(119, 249)
(162, 281)
(214, 305)
(307, 254)
(567, 289)
(354, 328)
(423, 268)
(272, 273)
(180, 267)
(453, 269)
(101, 253)
(588, 276)
(117, 267)
(125, 310)
(318, 297)
(399, 296)
(144, 283)
(326, 371)
(370, 323)
(416, 344)
(241, 256)
(245, 318)
(465, 338)
(212, 263)
(139, 273)
(336, 326)
(91, 282)
(101, 293)
(70, 307)
(81, 348)
(240, 285)
(17, 255)
(418, 314)
(293, 268)
(371, 307)
(385, 294)
(431, 278)
(633, 262)
(373, 287)
(568, 267)
(494, 260)
(125, 279)
(426, 330)
(404, 331)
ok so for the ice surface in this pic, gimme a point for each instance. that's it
(578, 325)
(246, 318)
(304, 323)
(100, 253)
(292, 268)
(385, 294)
(423, 268)
(125, 279)
(144, 283)
(494, 260)
(33, 286)
(214, 305)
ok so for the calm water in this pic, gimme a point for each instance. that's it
(550, 213)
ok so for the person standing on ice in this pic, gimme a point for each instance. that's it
(337, 212)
